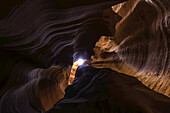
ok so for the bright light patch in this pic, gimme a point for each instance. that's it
(75, 65)
(80, 61)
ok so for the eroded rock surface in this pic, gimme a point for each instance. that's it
(32, 43)
(140, 46)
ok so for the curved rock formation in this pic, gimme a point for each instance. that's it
(140, 46)
(38, 34)
(38, 39)
(107, 91)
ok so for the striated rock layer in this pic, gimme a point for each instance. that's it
(40, 34)
(141, 44)
(38, 37)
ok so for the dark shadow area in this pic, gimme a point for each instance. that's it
(106, 91)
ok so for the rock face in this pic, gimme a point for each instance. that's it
(38, 39)
(107, 91)
(140, 46)
(33, 90)
(38, 34)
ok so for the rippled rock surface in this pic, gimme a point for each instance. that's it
(141, 44)
(38, 37)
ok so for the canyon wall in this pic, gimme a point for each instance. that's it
(36, 48)
(141, 44)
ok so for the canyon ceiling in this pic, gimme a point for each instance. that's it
(38, 39)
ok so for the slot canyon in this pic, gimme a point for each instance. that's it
(124, 44)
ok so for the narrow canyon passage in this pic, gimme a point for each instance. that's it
(126, 43)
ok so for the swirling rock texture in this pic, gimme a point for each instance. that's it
(140, 46)
(38, 37)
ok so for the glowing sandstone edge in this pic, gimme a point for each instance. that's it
(75, 65)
